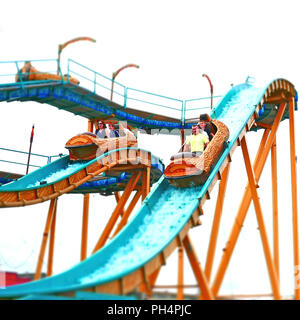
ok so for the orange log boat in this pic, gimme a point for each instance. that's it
(29, 73)
(186, 169)
(87, 146)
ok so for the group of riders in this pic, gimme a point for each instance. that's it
(202, 134)
(111, 130)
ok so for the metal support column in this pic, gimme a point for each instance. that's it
(258, 166)
(294, 196)
(260, 220)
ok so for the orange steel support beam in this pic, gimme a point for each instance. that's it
(85, 220)
(118, 196)
(51, 243)
(120, 205)
(206, 292)
(260, 220)
(90, 125)
(294, 194)
(275, 207)
(146, 183)
(85, 214)
(258, 166)
(216, 223)
(128, 211)
(237, 226)
(44, 240)
(180, 295)
(152, 279)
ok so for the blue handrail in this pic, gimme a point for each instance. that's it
(20, 163)
(24, 152)
(49, 158)
(17, 70)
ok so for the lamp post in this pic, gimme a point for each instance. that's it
(211, 89)
(62, 46)
(114, 75)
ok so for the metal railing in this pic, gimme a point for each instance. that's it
(101, 85)
(24, 162)
(193, 107)
(13, 69)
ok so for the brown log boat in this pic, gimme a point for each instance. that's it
(29, 73)
(87, 146)
(186, 169)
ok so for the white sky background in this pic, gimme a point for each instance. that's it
(174, 43)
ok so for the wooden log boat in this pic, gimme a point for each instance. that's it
(186, 169)
(87, 146)
(29, 73)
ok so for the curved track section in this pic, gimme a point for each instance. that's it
(80, 101)
(63, 176)
(164, 218)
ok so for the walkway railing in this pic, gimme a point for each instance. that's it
(9, 70)
(17, 158)
(194, 107)
(122, 95)
(101, 85)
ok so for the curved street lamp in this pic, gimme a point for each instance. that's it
(114, 75)
(62, 46)
(211, 89)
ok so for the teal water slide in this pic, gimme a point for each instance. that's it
(162, 216)
(63, 168)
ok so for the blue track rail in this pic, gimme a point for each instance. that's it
(63, 168)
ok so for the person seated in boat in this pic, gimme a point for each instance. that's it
(113, 132)
(197, 142)
(102, 132)
(205, 126)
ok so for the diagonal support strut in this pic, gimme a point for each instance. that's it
(259, 215)
(261, 157)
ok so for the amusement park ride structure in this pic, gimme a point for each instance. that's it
(111, 269)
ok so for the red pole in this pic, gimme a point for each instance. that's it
(116, 73)
(30, 145)
(62, 46)
(211, 89)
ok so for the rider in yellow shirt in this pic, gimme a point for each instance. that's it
(197, 142)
